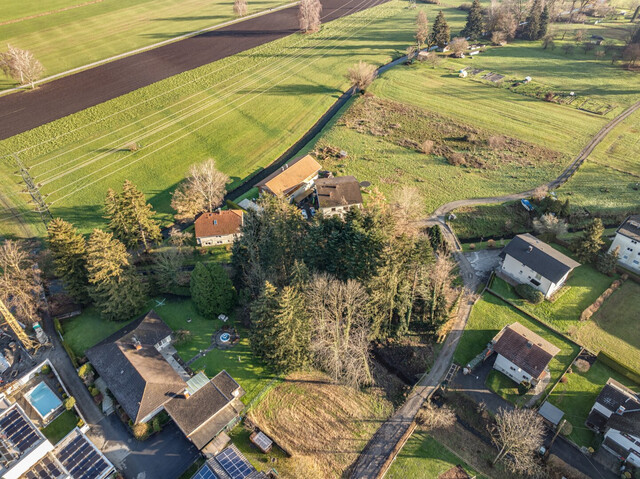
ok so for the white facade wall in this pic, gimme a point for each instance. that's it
(629, 254)
(524, 274)
(217, 240)
(628, 442)
(505, 366)
(28, 460)
(338, 210)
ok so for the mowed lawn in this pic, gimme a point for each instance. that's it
(65, 34)
(577, 396)
(244, 111)
(489, 315)
(88, 329)
(422, 457)
(614, 328)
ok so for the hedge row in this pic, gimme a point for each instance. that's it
(619, 367)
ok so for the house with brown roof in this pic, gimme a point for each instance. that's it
(616, 414)
(292, 180)
(337, 195)
(522, 355)
(528, 260)
(627, 241)
(143, 372)
(219, 227)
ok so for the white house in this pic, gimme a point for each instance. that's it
(293, 180)
(528, 260)
(628, 241)
(522, 354)
(337, 195)
(219, 227)
(616, 414)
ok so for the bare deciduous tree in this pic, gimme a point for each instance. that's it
(203, 190)
(518, 433)
(433, 59)
(19, 282)
(540, 192)
(21, 65)
(458, 46)
(631, 54)
(362, 74)
(422, 28)
(433, 417)
(240, 8)
(549, 225)
(408, 207)
(498, 38)
(309, 15)
(178, 238)
(340, 338)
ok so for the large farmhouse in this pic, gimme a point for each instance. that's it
(522, 354)
(528, 260)
(141, 368)
(292, 180)
(219, 227)
(616, 414)
(627, 241)
(337, 195)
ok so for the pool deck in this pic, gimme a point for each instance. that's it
(20, 397)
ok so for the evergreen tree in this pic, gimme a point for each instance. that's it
(589, 245)
(440, 33)
(437, 239)
(474, 27)
(607, 260)
(115, 287)
(544, 23)
(202, 290)
(68, 249)
(224, 294)
(263, 312)
(532, 27)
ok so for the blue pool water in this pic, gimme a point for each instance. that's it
(43, 399)
(224, 337)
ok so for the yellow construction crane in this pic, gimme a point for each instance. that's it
(26, 341)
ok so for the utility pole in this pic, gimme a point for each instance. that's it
(562, 423)
(10, 319)
(32, 189)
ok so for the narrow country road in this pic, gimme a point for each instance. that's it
(378, 454)
(22, 111)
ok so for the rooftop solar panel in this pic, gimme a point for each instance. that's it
(18, 431)
(205, 473)
(81, 459)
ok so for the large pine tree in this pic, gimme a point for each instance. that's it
(532, 26)
(114, 285)
(68, 248)
(474, 27)
(544, 23)
(440, 33)
(211, 290)
(263, 311)
(589, 245)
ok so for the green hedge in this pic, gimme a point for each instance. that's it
(607, 360)
(529, 293)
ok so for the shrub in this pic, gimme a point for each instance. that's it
(567, 429)
(472, 246)
(582, 365)
(529, 293)
(69, 403)
(94, 391)
(595, 306)
(80, 423)
(498, 38)
(497, 142)
(524, 387)
(491, 243)
(155, 424)
(564, 379)
(46, 369)
(141, 431)
(85, 370)
(465, 7)
(456, 159)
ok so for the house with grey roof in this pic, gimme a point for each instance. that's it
(337, 195)
(142, 371)
(528, 260)
(616, 414)
(627, 241)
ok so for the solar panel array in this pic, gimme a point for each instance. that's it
(45, 469)
(234, 464)
(204, 473)
(81, 459)
(17, 431)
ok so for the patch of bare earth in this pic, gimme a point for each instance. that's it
(323, 425)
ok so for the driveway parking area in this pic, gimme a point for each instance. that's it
(483, 262)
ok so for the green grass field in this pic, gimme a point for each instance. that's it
(489, 315)
(577, 396)
(65, 34)
(244, 111)
(423, 457)
(60, 426)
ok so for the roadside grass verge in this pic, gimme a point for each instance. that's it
(577, 396)
(423, 457)
(489, 315)
(244, 111)
(67, 39)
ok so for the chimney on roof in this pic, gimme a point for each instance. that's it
(186, 393)
(621, 410)
(136, 344)
(529, 344)
(530, 249)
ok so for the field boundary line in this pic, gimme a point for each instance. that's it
(50, 12)
(149, 47)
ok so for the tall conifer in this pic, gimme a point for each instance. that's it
(440, 33)
(474, 27)
(68, 248)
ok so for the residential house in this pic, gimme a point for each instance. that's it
(228, 464)
(143, 371)
(616, 415)
(628, 241)
(337, 195)
(528, 260)
(293, 180)
(522, 354)
(219, 227)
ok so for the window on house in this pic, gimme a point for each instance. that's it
(538, 276)
(535, 282)
(512, 368)
(215, 222)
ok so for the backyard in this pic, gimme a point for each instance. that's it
(60, 426)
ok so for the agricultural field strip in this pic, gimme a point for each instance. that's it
(171, 122)
(240, 58)
(252, 95)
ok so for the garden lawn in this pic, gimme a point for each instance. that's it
(614, 328)
(422, 457)
(577, 396)
(60, 426)
(489, 315)
(585, 285)
(63, 37)
(244, 111)
(505, 387)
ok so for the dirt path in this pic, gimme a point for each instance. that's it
(23, 111)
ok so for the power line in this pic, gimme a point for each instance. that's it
(32, 188)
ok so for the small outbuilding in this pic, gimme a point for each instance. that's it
(551, 413)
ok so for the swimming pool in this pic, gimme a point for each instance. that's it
(43, 399)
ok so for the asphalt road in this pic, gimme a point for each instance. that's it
(23, 111)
